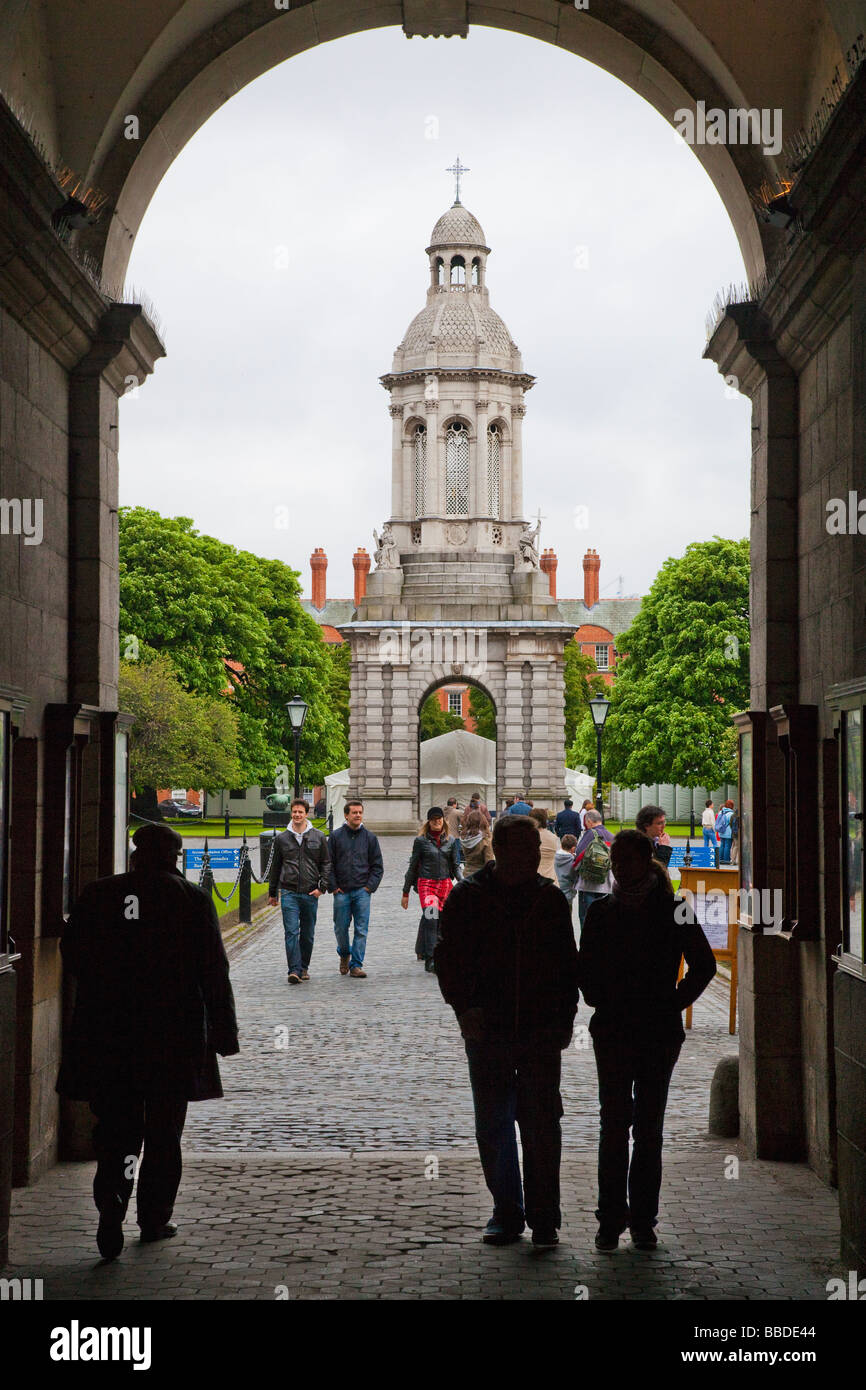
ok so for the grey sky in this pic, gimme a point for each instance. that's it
(284, 251)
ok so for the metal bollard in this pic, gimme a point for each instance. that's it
(245, 896)
(207, 873)
(330, 822)
(227, 826)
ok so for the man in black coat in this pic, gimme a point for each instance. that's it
(356, 869)
(153, 1007)
(301, 873)
(567, 821)
(507, 965)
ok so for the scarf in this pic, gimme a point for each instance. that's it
(636, 897)
(470, 841)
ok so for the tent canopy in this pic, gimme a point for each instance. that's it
(457, 764)
(336, 787)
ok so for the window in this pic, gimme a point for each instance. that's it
(420, 474)
(238, 794)
(455, 702)
(476, 271)
(494, 453)
(440, 271)
(457, 470)
(602, 656)
(458, 271)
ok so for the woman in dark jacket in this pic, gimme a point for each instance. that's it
(631, 946)
(433, 867)
(476, 842)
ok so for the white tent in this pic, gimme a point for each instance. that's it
(579, 786)
(457, 764)
(336, 787)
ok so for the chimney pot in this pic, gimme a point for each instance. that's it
(361, 565)
(319, 569)
(591, 567)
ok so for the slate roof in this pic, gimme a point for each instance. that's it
(614, 614)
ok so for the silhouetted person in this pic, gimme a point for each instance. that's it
(507, 965)
(630, 950)
(153, 1008)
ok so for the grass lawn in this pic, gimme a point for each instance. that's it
(215, 829)
(258, 891)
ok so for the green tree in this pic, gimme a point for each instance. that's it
(582, 681)
(435, 721)
(482, 711)
(177, 739)
(232, 625)
(685, 672)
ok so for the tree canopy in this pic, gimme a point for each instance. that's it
(177, 737)
(434, 720)
(232, 626)
(685, 672)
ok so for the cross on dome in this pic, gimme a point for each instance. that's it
(457, 169)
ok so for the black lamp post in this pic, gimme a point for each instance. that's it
(599, 707)
(297, 714)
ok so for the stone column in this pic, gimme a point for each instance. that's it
(771, 1090)
(398, 499)
(119, 359)
(480, 484)
(513, 720)
(517, 499)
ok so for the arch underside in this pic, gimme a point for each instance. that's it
(172, 64)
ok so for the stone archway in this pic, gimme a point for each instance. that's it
(474, 684)
(123, 123)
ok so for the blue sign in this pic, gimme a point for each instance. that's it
(702, 858)
(219, 858)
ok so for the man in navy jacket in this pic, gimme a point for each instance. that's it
(357, 869)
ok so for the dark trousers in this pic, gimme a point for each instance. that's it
(633, 1081)
(518, 1083)
(126, 1121)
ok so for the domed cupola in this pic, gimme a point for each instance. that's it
(457, 389)
(457, 327)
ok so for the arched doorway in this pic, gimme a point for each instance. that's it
(465, 765)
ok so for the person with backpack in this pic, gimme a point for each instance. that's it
(735, 835)
(592, 863)
(723, 830)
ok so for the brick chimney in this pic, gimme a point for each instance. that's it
(548, 564)
(591, 567)
(319, 567)
(361, 564)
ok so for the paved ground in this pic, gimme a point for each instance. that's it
(341, 1163)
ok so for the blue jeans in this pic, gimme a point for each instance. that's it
(299, 924)
(518, 1082)
(353, 903)
(710, 842)
(725, 856)
(585, 901)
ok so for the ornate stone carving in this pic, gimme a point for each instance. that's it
(528, 547)
(519, 410)
(482, 405)
(387, 556)
(396, 412)
(456, 533)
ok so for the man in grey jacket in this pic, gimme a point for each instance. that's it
(301, 871)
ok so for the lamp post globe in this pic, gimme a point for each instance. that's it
(599, 707)
(297, 711)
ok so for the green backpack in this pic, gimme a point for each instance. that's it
(595, 864)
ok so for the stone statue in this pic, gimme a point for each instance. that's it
(528, 548)
(387, 555)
